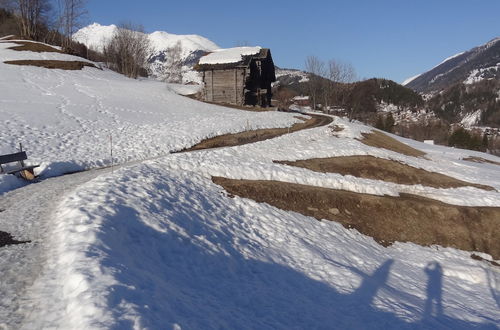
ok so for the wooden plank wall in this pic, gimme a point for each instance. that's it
(224, 86)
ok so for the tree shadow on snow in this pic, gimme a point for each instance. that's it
(173, 278)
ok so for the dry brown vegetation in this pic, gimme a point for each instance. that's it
(387, 219)
(380, 140)
(12, 37)
(370, 167)
(481, 160)
(53, 64)
(34, 47)
(243, 107)
(230, 140)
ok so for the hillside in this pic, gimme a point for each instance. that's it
(295, 231)
(95, 36)
(479, 63)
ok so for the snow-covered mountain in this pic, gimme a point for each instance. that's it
(95, 36)
(479, 63)
(287, 77)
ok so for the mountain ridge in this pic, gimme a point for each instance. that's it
(479, 63)
(193, 46)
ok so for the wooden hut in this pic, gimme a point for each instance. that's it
(240, 76)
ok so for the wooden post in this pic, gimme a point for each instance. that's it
(21, 149)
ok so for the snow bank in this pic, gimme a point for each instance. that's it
(149, 248)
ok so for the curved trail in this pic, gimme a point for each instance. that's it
(26, 214)
(246, 137)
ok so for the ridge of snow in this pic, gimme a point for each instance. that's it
(408, 80)
(229, 55)
(96, 35)
(450, 58)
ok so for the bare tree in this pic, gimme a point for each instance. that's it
(339, 74)
(32, 14)
(127, 51)
(71, 17)
(316, 69)
(172, 69)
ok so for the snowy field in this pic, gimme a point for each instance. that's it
(67, 120)
(156, 245)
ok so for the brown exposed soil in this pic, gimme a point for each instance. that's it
(13, 37)
(481, 160)
(491, 262)
(370, 167)
(380, 140)
(231, 140)
(243, 107)
(34, 47)
(387, 219)
(53, 64)
(7, 239)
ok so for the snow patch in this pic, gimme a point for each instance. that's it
(408, 80)
(471, 119)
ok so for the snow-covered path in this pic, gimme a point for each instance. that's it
(28, 215)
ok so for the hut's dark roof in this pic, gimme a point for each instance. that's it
(245, 62)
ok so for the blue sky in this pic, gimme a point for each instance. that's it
(392, 39)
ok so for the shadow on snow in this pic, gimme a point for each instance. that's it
(174, 279)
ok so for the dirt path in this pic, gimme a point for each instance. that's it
(237, 139)
(371, 167)
(407, 218)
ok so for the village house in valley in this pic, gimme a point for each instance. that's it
(240, 76)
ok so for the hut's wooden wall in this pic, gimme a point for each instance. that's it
(224, 86)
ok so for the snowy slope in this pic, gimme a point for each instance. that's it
(479, 63)
(65, 119)
(157, 245)
(193, 46)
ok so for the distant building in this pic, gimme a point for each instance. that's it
(241, 76)
(301, 100)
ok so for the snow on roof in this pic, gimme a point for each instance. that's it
(229, 55)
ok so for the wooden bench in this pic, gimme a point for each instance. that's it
(26, 172)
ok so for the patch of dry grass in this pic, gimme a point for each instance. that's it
(380, 140)
(387, 219)
(34, 47)
(231, 140)
(53, 64)
(481, 160)
(370, 167)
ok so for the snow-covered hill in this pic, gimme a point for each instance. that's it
(157, 244)
(95, 36)
(287, 77)
(65, 118)
(479, 63)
